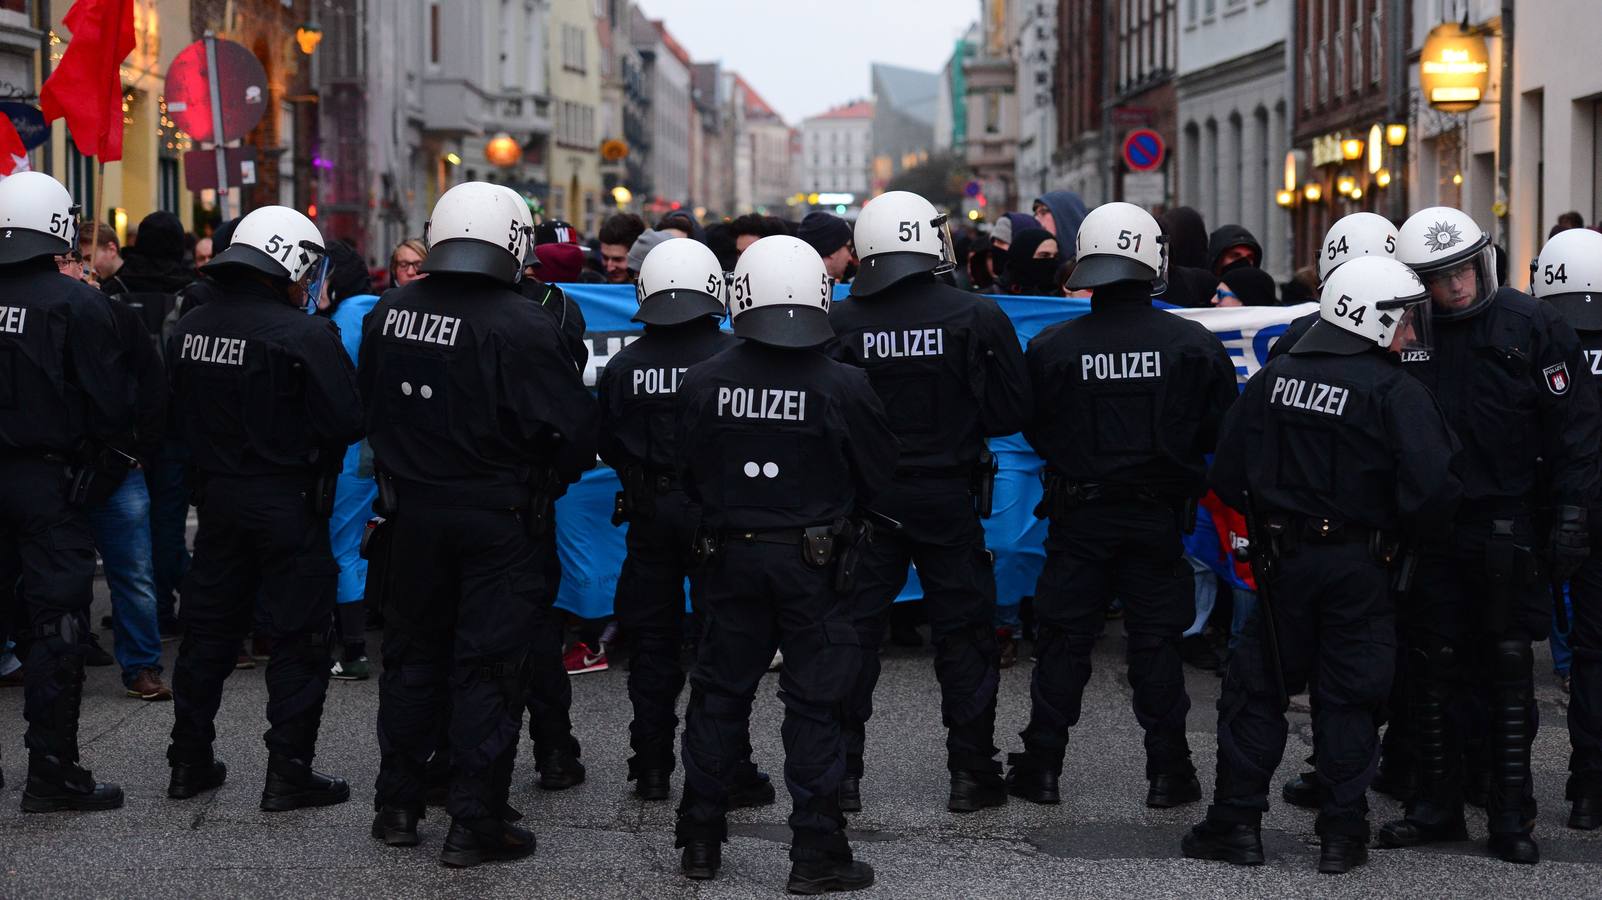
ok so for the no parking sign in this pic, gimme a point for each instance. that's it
(1143, 150)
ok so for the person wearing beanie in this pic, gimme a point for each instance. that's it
(830, 235)
(643, 246)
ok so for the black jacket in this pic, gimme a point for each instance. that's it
(772, 439)
(638, 392)
(946, 364)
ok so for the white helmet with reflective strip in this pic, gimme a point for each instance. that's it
(680, 281)
(1119, 242)
(276, 241)
(1366, 303)
(1438, 243)
(37, 218)
(478, 228)
(899, 234)
(780, 294)
(1358, 234)
(1568, 274)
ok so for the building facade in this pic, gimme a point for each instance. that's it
(835, 150)
(1034, 48)
(1078, 162)
(1143, 38)
(574, 65)
(903, 119)
(762, 152)
(992, 103)
(1233, 130)
(666, 71)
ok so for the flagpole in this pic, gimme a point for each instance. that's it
(95, 177)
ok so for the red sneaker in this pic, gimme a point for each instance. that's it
(580, 659)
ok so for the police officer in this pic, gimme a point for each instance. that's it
(782, 447)
(1568, 275)
(470, 397)
(265, 398)
(65, 392)
(1335, 452)
(1503, 367)
(1353, 236)
(949, 370)
(1127, 401)
(680, 292)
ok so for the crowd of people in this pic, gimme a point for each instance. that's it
(1414, 469)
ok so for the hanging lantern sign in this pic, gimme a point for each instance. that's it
(1454, 68)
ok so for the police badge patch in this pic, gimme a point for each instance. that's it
(1557, 378)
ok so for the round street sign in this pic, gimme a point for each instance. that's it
(242, 91)
(1143, 150)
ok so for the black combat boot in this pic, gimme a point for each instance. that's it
(1168, 791)
(475, 841)
(1303, 791)
(971, 793)
(396, 827)
(653, 784)
(291, 784)
(758, 792)
(701, 860)
(558, 769)
(1341, 854)
(1586, 814)
(189, 779)
(57, 786)
(1224, 841)
(1029, 779)
(829, 875)
(850, 794)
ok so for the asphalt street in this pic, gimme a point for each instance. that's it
(596, 841)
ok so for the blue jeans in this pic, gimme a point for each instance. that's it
(169, 519)
(122, 534)
(1562, 653)
(1245, 607)
(1206, 594)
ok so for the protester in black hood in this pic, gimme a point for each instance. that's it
(1032, 263)
(203, 289)
(347, 277)
(1187, 237)
(1252, 286)
(720, 238)
(153, 270)
(1230, 246)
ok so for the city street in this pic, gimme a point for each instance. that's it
(596, 841)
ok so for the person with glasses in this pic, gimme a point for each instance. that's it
(406, 262)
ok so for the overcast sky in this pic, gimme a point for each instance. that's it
(804, 56)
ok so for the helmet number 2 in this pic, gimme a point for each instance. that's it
(1559, 274)
(910, 231)
(1128, 239)
(275, 244)
(1344, 307)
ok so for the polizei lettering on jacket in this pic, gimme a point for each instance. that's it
(425, 328)
(1125, 366)
(207, 349)
(657, 381)
(762, 403)
(1313, 396)
(896, 344)
(12, 318)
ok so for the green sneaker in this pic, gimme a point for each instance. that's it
(358, 669)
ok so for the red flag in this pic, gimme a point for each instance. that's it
(86, 87)
(13, 155)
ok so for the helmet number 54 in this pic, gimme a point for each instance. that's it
(1344, 307)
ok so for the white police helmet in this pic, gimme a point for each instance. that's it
(1445, 246)
(37, 218)
(276, 241)
(478, 228)
(1120, 242)
(1358, 234)
(1568, 274)
(680, 281)
(897, 235)
(1367, 303)
(780, 294)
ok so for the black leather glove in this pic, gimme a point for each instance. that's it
(1570, 542)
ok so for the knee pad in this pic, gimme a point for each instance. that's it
(1514, 660)
(507, 674)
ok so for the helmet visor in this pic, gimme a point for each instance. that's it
(948, 248)
(1463, 288)
(1412, 337)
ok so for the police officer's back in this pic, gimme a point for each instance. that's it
(1338, 455)
(63, 391)
(265, 398)
(1127, 401)
(949, 370)
(1504, 367)
(680, 292)
(1568, 275)
(782, 446)
(471, 402)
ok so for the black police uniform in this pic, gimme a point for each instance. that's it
(949, 370)
(63, 388)
(771, 442)
(638, 390)
(265, 398)
(470, 395)
(1504, 375)
(1585, 594)
(1343, 453)
(1128, 400)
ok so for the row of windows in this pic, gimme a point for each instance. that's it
(575, 124)
(1338, 58)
